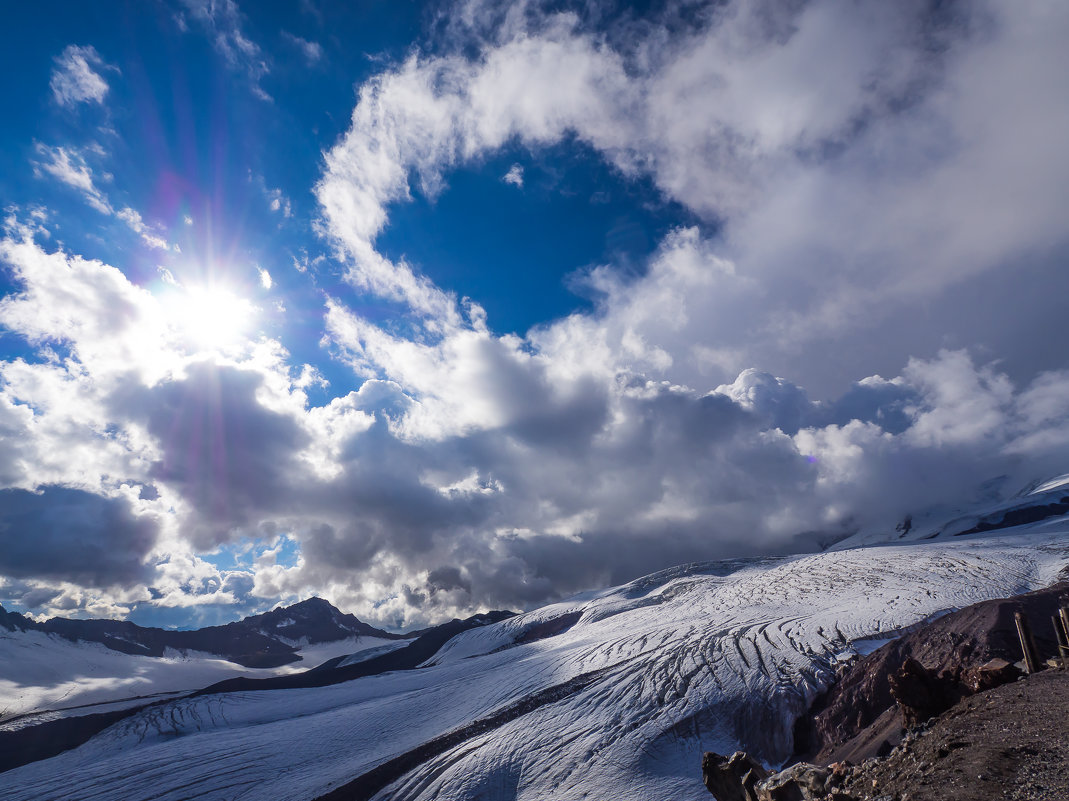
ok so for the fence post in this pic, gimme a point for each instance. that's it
(1064, 614)
(1063, 643)
(1028, 645)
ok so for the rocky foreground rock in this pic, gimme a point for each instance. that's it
(942, 713)
(1010, 743)
(922, 674)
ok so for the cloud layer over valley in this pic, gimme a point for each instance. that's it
(860, 321)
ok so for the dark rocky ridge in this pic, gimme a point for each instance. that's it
(941, 712)
(1006, 744)
(858, 717)
(408, 658)
(259, 641)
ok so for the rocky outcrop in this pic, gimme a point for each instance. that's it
(740, 778)
(1007, 743)
(732, 778)
(800, 782)
(989, 675)
(957, 655)
(921, 694)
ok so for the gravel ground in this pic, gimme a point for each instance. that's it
(1010, 743)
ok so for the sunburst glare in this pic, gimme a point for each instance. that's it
(210, 317)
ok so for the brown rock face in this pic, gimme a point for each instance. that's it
(843, 723)
(732, 778)
(1007, 744)
(921, 694)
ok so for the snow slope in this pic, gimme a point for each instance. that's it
(1034, 507)
(42, 672)
(618, 701)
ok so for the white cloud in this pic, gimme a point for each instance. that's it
(68, 165)
(853, 175)
(279, 202)
(521, 472)
(514, 176)
(222, 20)
(77, 79)
(312, 51)
(265, 278)
(855, 159)
(133, 219)
(834, 151)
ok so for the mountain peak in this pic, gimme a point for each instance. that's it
(314, 603)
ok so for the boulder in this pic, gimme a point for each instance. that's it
(732, 778)
(920, 693)
(991, 674)
(801, 782)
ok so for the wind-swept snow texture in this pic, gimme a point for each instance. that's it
(617, 701)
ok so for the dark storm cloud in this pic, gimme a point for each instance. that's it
(678, 476)
(67, 534)
(443, 579)
(231, 458)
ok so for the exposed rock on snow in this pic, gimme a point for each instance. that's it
(801, 782)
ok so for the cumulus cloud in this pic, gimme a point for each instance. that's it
(227, 455)
(77, 78)
(783, 373)
(478, 472)
(514, 176)
(855, 161)
(823, 146)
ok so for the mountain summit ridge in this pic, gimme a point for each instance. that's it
(268, 639)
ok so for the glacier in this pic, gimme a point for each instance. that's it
(609, 694)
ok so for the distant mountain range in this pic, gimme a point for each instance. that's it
(267, 640)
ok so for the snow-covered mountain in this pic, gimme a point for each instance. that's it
(610, 694)
(266, 640)
(65, 667)
(1041, 501)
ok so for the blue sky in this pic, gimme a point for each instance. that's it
(427, 308)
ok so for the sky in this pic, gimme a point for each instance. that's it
(430, 308)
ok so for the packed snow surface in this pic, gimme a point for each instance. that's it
(642, 678)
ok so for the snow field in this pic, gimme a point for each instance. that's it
(712, 656)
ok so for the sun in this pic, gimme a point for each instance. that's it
(212, 318)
